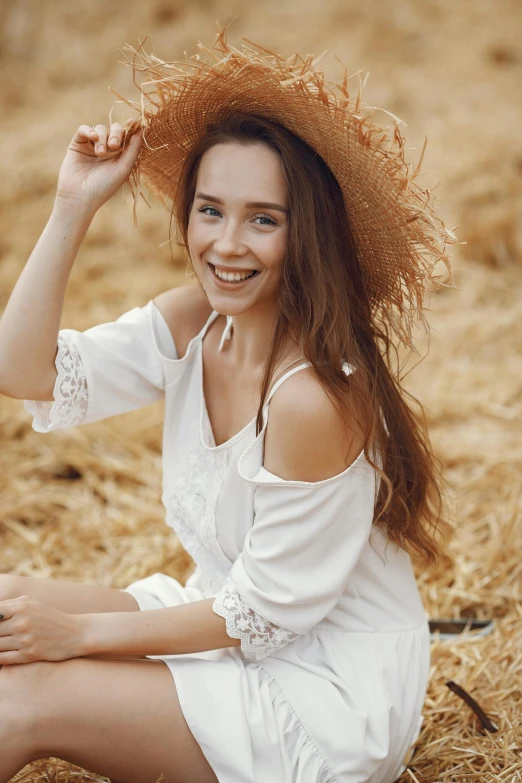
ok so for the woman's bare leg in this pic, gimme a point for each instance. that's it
(120, 719)
(71, 597)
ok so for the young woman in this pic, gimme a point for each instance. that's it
(295, 474)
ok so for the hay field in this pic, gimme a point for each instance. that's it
(84, 504)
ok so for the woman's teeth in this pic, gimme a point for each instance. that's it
(233, 277)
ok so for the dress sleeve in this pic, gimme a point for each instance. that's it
(109, 369)
(297, 558)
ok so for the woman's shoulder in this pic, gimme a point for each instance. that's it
(309, 435)
(185, 309)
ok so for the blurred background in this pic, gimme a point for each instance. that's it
(84, 504)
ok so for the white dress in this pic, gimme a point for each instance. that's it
(329, 682)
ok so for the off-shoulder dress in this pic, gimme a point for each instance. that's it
(329, 682)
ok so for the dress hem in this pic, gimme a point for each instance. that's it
(192, 723)
(331, 777)
(223, 775)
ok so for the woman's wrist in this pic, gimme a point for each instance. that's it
(102, 633)
(73, 211)
(85, 635)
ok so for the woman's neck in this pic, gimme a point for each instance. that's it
(247, 337)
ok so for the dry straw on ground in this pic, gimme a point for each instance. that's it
(84, 504)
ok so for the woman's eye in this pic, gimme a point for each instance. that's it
(213, 210)
(269, 221)
(265, 220)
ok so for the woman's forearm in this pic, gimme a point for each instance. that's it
(30, 323)
(192, 627)
(97, 162)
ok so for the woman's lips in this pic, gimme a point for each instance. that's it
(230, 284)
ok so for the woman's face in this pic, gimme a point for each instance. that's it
(238, 225)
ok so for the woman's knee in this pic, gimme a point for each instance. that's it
(21, 689)
(11, 586)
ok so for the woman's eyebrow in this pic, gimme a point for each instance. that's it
(267, 205)
(249, 205)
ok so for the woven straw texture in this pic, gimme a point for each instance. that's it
(398, 236)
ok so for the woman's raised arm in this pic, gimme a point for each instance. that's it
(93, 170)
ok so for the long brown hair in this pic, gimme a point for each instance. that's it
(323, 300)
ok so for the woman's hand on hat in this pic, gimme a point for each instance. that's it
(98, 161)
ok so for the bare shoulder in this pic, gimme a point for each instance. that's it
(186, 310)
(308, 437)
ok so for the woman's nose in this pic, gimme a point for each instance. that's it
(229, 241)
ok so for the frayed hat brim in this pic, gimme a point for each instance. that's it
(400, 240)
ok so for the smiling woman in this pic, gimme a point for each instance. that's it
(294, 472)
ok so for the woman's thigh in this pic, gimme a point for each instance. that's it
(71, 597)
(120, 719)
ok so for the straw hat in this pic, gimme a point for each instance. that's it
(398, 236)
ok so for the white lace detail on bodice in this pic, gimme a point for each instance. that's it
(70, 393)
(191, 506)
(259, 637)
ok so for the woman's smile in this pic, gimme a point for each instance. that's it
(225, 277)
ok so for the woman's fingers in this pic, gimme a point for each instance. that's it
(100, 146)
(8, 643)
(130, 152)
(115, 136)
(8, 609)
(105, 142)
(13, 657)
(85, 134)
(109, 140)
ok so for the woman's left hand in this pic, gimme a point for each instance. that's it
(33, 631)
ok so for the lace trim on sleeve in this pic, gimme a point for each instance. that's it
(259, 637)
(69, 406)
